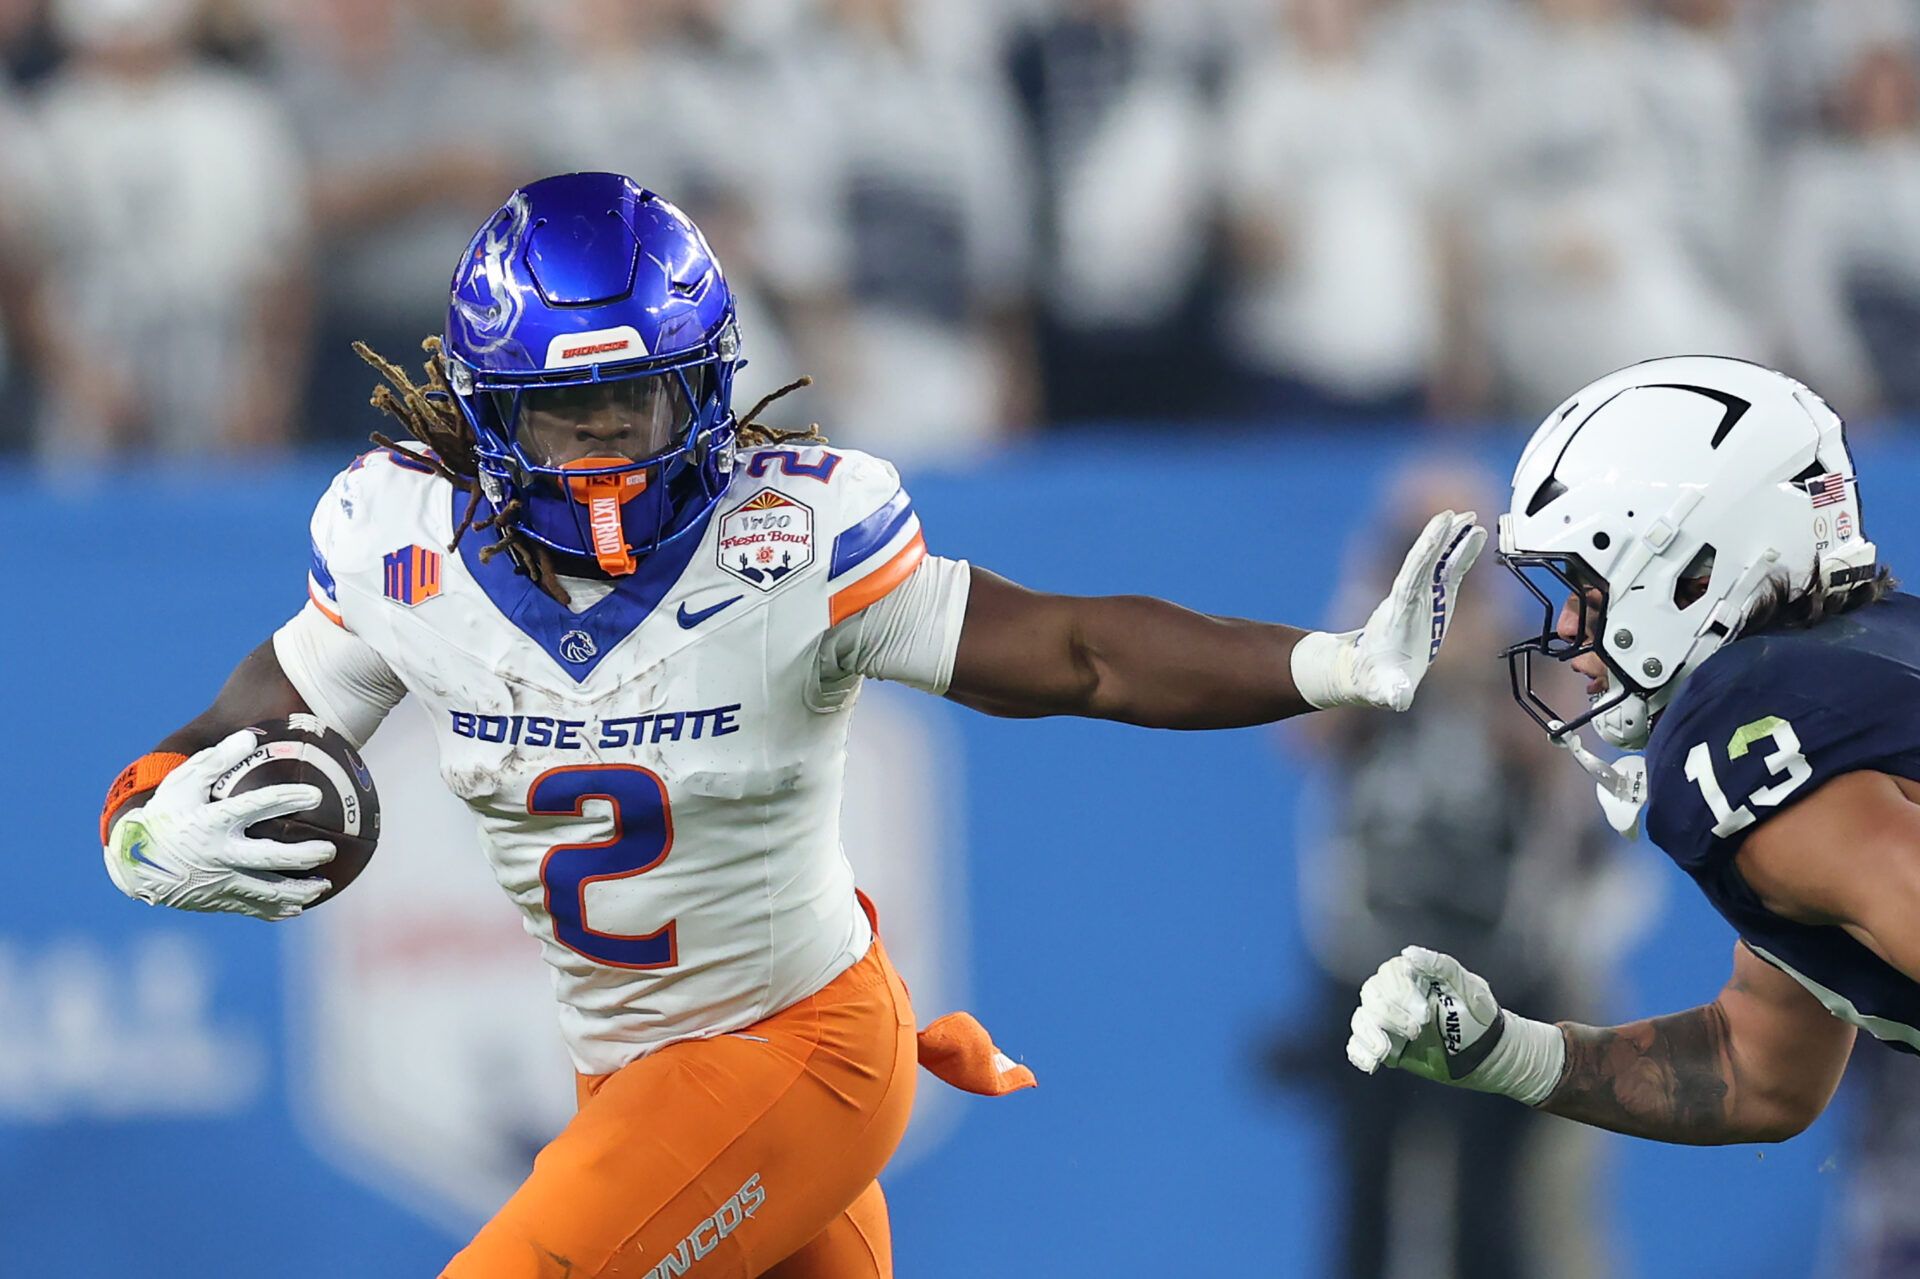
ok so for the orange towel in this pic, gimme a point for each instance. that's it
(957, 1050)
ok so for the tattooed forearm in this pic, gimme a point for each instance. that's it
(1670, 1078)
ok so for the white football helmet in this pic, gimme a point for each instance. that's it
(1667, 498)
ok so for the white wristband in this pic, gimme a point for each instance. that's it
(1322, 667)
(1526, 1064)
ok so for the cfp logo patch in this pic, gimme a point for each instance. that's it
(766, 539)
(412, 575)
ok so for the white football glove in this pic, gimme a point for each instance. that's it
(184, 849)
(1382, 663)
(1425, 1014)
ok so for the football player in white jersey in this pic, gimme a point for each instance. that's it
(639, 624)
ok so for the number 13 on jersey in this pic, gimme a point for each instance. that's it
(1786, 762)
(641, 839)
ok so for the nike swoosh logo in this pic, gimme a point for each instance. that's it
(136, 851)
(690, 620)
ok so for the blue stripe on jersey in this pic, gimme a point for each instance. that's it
(869, 535)
(322, 575)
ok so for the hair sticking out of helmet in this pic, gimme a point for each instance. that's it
(429, 415)
(1789, 607)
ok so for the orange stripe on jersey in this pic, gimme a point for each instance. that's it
(877, 584)
(321, 604)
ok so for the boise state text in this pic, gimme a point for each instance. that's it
(606, 734)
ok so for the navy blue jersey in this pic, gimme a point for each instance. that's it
(1764, 723)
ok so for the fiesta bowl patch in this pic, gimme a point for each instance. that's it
(766, 539)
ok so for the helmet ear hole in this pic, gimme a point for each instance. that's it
(1691, 585)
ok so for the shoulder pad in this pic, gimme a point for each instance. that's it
(867, 530)
(1763, 724)
(384, 501)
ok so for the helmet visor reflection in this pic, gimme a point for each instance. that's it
(635, 419)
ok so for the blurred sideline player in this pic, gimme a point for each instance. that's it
(639, 626)
(1700, 518)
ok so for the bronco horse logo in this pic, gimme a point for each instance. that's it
(487, 295)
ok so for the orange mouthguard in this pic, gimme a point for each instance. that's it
(603, 496)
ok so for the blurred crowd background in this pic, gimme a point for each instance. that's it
(974, 218)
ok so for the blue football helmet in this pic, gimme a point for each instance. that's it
(591, 346)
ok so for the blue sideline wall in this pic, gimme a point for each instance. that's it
(1134, 929)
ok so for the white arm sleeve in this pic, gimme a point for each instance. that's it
(911, 635)
(337, 674)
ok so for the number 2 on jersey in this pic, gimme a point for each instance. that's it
(642, 836)
(1788, 759)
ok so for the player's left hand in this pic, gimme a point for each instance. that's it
(1382, 663)
(1423, 1012)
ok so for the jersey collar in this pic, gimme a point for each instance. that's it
(577, 642)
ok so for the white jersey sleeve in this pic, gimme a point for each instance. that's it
(893, 612)
(911, 635)
(337, 674)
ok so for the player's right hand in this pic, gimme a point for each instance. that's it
(1381, 664)
(185, 849)
(1424, 1013)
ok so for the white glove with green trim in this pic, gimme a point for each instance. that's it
(1423, 1013)
(185, 849)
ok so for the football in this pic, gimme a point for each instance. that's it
(302, 749)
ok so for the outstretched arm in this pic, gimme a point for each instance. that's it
(1759, 1063)
(1146, 661)
(1123, 657)
(1762, 1060)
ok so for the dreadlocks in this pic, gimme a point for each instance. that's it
(430, 415)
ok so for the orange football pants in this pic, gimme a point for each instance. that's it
(752, 1153)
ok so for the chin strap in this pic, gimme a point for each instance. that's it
(603, 496)
(1621, 786)
(1626, 723)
